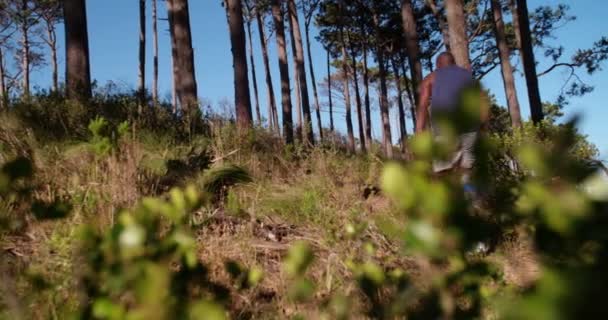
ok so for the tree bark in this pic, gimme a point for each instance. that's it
(529, 62)
(412, 96)
(505, 63)
(297, 88)
(185, 77)
(411, 44)
(459, 42)
(386, 125)
(272, 107)
(358, 101)
(445, 33)
(174, 65)
(25, 43)
(3, 95)
(78, 74)
(402, 128)
(239, 58)
(141, 90)
(155, 59)
(314, 81)
(52, 43)
(331, 105)
(515, 21)
(349, 121)
(295, 26)
(368, 112)
(277, 15)
(258, 116)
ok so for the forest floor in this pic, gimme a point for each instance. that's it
(322, 196)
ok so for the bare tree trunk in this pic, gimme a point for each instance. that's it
(174, 65)
(141, 90)
(299, 61)
(402, 128)
(253, 75)
(368, 112)
(314, 81)
(358, 101)
(386, 125)
(536, 108)
(411, 95)
(505, 63)
(186, 81)
(277, 15)
(515, 21)
(155, 59)
(239, 57)
(3, 94)
(411, 43)
(52, 43)
(272, 107)
(78, 74)
(345, 77)
(442, 23)
(25, 43)
(459, 42)
(331, 105)
(296, 73)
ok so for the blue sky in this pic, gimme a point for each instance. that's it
(113, 36)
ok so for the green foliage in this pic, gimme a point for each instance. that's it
(218, 178)
(146, 266)
(299, 258)
(104, 138)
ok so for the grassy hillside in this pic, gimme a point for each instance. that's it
(264, 230)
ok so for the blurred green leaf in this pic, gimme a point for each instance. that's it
(206, 310)
(298, 259)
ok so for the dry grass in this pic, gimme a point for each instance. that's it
(306, 196)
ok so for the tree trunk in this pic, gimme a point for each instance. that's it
(174, 64)
(239, 58)
(3, 95)
(258, 116)
(141, 90)
(386, 125)
(445, 33)
(297, 39)
(186, 81)
(402, 128)
(515, 21)
(297, 80)
(25, 38)
(155, 59)
(459, 42)
(331, 105)
(411, 95)
(349, 121)
(536, 109)
(358, 101)
(314, 82)
(78, 74)
(368, 112)
(505, 63)
(277, 15)
(272, 107)
(52, 43)
(411, 44)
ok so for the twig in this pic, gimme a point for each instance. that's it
(218, 159)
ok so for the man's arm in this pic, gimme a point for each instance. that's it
(424, 102)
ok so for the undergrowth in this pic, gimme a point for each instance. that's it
(108, 214)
